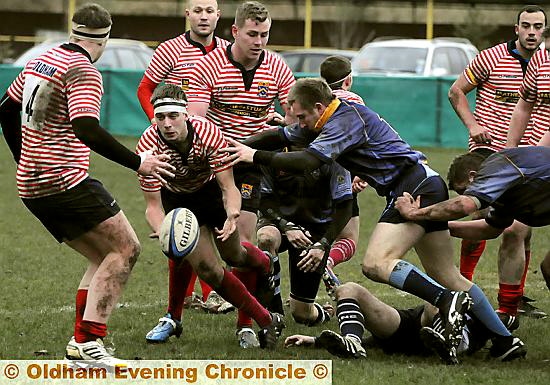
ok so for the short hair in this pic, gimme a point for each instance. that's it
(461, 166)
(531, 9)
(92, 16)
(335, 69)
(309, 91)
(251, 10)
(170, 91)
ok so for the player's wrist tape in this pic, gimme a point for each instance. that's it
(263, 157)
(142, 157)
(285, 226)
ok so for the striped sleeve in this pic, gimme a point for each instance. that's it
(15, 90)
(148, 142)
(480, 67)
(284, 77)
(214, 140)
(529, 86)
(84, 90)
(162, 62)
(202, 77)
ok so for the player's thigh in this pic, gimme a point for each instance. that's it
(247, 226)
(204, 258)
(114, 235)
(231, 250)
(436, 253)
(390, 241)
(351, 230)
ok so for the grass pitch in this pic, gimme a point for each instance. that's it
(38, 281)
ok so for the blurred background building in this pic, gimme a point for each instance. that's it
(344, 24)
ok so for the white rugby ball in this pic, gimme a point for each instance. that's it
(179, 233)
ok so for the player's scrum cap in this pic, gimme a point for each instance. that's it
(334, 69)
(83, 32)
(170, 105)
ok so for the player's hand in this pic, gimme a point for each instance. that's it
(480, 135)
(299, 340)
(229, 227)
(239, 152)
(312, 258)
(358, 185)
(407, 205)
(275, 119)
(157, 166)
(298, 238)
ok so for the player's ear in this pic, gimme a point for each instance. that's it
(471, 175)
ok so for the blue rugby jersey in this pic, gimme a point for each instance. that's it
(307, 198)
(362, 142)
(515, 182)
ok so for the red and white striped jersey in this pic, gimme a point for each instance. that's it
(174, 59)
(199, 166)
(497, 72)
(239, 100)
(536, 89)
(54, 89)
(348, 95)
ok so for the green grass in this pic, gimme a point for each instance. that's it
(38, 280)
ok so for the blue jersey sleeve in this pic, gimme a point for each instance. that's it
(340, 183)
(496, 175)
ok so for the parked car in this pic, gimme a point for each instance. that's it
(435, 57)
(119, 54)
(309, 60)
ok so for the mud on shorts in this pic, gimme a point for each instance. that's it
(71, 213)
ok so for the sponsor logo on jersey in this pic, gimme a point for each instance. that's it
(246, 191)
(185, 84)
(241, 109)
(263, 89)
(544, 97)
(44, 69)
(506, 96)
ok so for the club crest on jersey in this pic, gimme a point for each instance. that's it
(263, 89)
(246, 191)
(185, 84)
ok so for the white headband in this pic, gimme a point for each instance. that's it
(170, 105)
(97, 35)
(341, 80)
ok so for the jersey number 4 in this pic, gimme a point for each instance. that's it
(28, 106)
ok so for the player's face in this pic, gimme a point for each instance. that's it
(306, 118)
(172, 126)
(203, 16)
(529, 30)
(251, 39)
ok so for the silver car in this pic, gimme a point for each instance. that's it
(435, 57)
(118, 54)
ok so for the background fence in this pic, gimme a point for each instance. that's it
(417, 107)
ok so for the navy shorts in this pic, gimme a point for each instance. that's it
(406, 339)
(71, 213)
(417, 180)
(247, 180)
(206, 203)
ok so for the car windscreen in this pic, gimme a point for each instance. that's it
(390, 59)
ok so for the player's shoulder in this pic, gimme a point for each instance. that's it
(221, 43)
(541, 56)
(202, 124)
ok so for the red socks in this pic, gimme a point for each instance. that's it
(179, 275)
(85, 331)
(234, 292)
(342, 251)
(470, 252)
(256, 258)
(509, 296)
(81, 297)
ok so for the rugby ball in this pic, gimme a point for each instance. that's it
(179, 233)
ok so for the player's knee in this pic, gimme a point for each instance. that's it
(302, 318)
(347, 290)
(371, 269)
(514, 235)
(266, 241)
(209, 273)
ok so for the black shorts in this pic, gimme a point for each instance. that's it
(417, 180)
(406, 339)
(303, 286)
(247, 180)
(71, 213)
(206, 203)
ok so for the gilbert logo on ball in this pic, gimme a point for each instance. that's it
(179, 233)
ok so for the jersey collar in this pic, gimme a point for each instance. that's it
(76, 48)
(329, 111)
(199, 45)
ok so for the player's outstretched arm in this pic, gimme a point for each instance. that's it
(451, 209)
(476, 230)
